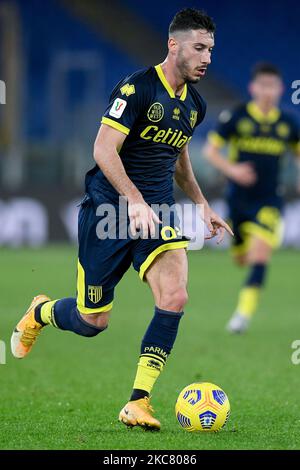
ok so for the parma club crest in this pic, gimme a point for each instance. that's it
(193, 118)
(95, 293)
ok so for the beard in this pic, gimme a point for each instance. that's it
(193, 80)
(185, 70)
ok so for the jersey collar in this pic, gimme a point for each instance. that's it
(259, 116)
(167, 85)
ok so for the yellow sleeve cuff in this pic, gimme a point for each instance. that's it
(216, 139)
(116, 125)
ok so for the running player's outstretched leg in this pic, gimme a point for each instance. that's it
(167, 278)
(62, 314)
(257, 261)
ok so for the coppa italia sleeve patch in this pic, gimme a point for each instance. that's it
(117, 108)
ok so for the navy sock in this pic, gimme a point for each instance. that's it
(158, 342)
(37, 314)
(67, 317)
(257, 275)
(137, 393)
(161, 332)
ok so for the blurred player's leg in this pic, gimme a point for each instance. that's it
(167, 278)
(258, 258)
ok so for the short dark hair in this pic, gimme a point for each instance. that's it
(265, 68)
(189, 18)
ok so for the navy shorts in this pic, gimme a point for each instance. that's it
(253, 219)
(103, 261)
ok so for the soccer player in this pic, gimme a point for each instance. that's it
(258, 134)
(143, 140)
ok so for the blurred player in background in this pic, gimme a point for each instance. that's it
(142, 142)
(257, 134)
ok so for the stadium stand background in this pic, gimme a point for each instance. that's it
(61, 58)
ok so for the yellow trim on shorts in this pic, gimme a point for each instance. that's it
(160, 249)
(241, 248)
(116, 125)
(272, 239)
(89, 311)
(81, 295)
(80, 286)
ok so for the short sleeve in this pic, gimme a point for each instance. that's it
(125, 105)
(201, 112)
(225, 129)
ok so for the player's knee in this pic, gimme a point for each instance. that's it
(98, 320)
(260, 258)
(81, 324)
(174, 300)
(240, 260)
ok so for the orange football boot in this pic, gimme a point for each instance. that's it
(27, 330)
(139, 413)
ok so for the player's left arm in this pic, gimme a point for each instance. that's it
(185, 178)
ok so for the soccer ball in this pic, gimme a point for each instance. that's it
(202, 407)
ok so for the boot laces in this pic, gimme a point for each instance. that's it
(146, 404)
(29, 336)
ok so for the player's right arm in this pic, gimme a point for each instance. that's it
(127, 101)
(241, 173)
(107, 145)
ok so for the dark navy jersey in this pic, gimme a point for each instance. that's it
(157, 124)
(259, 139)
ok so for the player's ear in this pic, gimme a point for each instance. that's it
(282, 88)
(172, 45)
(250, 88)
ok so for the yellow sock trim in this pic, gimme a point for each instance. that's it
(148, 371)
(248, 301)
(46, 313)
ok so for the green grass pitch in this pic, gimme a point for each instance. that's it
(67, 394)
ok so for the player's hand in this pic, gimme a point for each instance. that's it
(142, 218)
(242, 173)
(215, 224)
